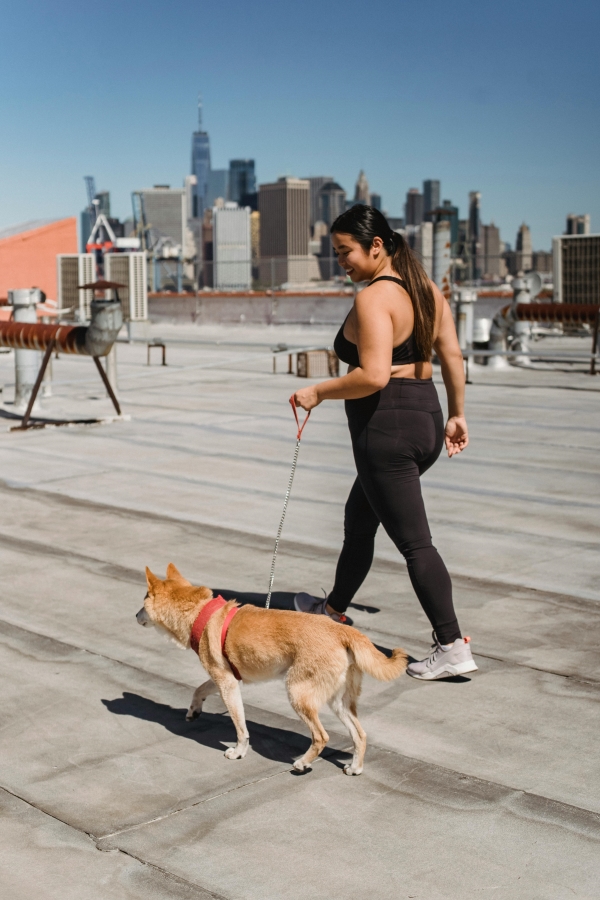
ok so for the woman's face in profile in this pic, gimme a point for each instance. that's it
(355, 261)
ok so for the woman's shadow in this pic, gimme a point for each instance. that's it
(216, 730)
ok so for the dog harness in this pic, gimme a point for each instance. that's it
(201, 622)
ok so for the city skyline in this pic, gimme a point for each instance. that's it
(518, 133)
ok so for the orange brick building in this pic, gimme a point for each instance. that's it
(28, 257)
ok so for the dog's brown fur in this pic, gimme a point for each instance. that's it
(321, 661)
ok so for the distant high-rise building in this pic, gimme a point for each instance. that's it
(217, 186)
(361, 189)
(474, 227)
(413, 208)
(242, 179)
(578, 224)
(284, 208)
(446, 213)
(493, 264)
(474, 234)
(576, 259)
(232, 248)
(255, 233)
(376, 201)
(542, 261)
(332, 202)
(316, 182)
(524, 249)
(431, 195)
(200, 165)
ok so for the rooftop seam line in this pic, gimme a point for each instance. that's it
(237, 536)
(334, 735)
(93, 839)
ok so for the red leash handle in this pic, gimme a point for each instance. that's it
(295, 410)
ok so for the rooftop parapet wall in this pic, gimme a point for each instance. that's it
(277, 308)
(28, 258)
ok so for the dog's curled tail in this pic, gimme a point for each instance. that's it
(371, 660)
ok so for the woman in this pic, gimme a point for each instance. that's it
(395, 422)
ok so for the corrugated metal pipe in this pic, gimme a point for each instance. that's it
(95, 339)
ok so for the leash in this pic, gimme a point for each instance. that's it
(287, 495)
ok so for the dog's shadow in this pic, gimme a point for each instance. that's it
(216, 730)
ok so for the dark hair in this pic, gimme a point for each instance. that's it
(364, 223)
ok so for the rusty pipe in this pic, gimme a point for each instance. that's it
(575, 313)
(95, 339)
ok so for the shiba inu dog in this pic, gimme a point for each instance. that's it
(320, 660)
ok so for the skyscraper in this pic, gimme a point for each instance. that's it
(332, 202)
(232, 249)
(474, 234)
(217, 186)
(316, 182)
(413, 209)
(493, 264)
(431, 195)
(524, 249)
(284, 208)
(361, 189)
(578, 224)
(242, 180)
(446, 213)
(200, 165)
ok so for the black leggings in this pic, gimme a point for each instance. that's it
(397, 434)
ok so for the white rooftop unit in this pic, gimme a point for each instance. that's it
(576, 264)
(131, 270)
(232, 249)
(75, 269)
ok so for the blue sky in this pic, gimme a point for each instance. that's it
(500, 98)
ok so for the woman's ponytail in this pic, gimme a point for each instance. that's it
(365, 223)
(418, 285)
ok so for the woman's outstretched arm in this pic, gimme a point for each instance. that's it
(451, 360)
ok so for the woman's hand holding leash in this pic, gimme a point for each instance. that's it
(457, 436)
(307, 398)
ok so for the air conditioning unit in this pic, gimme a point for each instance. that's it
(75, 269)
(131, 270)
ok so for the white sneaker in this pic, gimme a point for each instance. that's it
(456, 660)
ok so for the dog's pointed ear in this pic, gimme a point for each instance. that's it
(175, 575)
(151, 579)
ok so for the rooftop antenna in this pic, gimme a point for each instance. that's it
(200, 112)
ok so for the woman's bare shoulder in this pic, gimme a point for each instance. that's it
(383, 292)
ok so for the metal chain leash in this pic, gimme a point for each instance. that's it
(287, 497)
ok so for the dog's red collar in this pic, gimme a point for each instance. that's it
(201, 622)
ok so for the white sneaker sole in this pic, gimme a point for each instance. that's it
(444, 671)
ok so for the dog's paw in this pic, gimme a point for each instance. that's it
(352, 770)
(235, 752)
(192, 714)
(301, 766)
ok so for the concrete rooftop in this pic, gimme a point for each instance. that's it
(473, 788)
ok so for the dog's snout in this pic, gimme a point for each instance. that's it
(143, 617)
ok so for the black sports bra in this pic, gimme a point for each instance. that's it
(402, 355)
